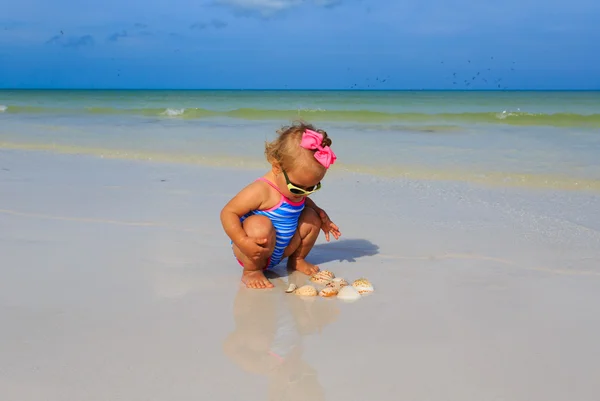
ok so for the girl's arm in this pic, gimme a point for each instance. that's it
(311, 204)
(250, 198)
(326, 224)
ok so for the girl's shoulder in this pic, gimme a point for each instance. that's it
(269, 194)
(257, 195)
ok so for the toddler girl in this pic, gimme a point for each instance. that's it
(273, 218)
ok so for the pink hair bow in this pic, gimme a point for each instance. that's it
(313, 140)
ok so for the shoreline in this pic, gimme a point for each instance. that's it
(491, 179)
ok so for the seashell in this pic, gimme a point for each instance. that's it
(348, 293)
(328, 273)
(322, 277)
(291, 288)
(337, 283)
(306, 291)
(363, 286)
(328, 292)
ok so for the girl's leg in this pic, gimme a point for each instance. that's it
(309, 226)
(256, 227)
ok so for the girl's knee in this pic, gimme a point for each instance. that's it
(258, 226)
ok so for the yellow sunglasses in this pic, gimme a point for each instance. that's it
(297, 190)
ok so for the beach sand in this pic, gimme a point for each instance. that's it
(118, 283)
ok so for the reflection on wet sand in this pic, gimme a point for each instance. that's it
(268, 339)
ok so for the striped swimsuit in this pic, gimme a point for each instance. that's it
(284, 217)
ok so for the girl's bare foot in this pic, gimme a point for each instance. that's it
(255, 279)
(302, 266)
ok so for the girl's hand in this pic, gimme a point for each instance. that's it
(255, 249)
(328, 226)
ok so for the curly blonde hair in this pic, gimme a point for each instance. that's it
(285, 150)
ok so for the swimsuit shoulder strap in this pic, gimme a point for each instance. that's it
(270, 183)
(288, 200)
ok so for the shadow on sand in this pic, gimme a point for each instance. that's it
(342, 250)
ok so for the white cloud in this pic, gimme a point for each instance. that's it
(269, 7)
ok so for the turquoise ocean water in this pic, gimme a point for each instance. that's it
(536, 139)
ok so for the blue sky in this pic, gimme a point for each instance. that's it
(328, 44)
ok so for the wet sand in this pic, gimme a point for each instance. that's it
(117, 282)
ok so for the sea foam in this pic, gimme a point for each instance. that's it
(173, 112)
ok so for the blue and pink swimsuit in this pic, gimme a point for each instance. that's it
(284, 216)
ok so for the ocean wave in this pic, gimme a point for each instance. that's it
(2, 108)
(173, 112)
(519, 118)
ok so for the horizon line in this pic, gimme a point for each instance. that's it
(297, 90)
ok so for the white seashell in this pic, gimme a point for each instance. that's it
(328, 292)
(348, 293)
(337, 283)
(291, 288)
(322, 277)
(306, 291)
(363, 286)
